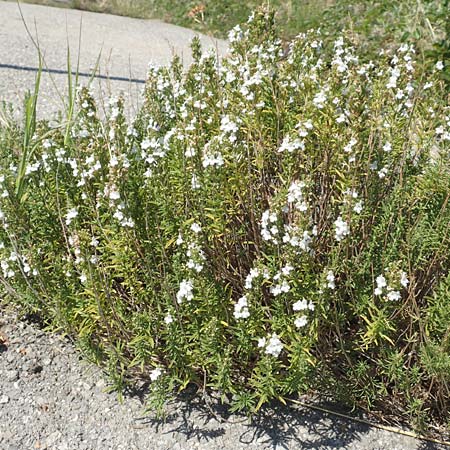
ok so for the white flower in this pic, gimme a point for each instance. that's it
(348, 148)
(331, 280)
(262, 342)
(381, 281)
(196, 228)
(358, 207)
(382, 173)
(341, 118)
(341, 230)
(393, 295)
(285, 286)
(275, 290)
(227, 125)
(280, 288)
(168, 319)
(300, 305)
(241, 308)
(179, 239)
(301, 321)
(290, 145)
(195, 184)
(155, 373)
(83, 278)
(439, 65)
(295, 193)
(254, 273)
(118, 215)
(113, 162)
(71, 214)
(387, 147)
(287, 270)
(319, 99)
(185, 291)
(114, 195)
(274, 346)
(210, 159)
(400, 94)
(404, 280)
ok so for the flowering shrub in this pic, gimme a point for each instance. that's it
(272, 223)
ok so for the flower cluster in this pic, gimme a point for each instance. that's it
(241, 308)
(185, 291)
(281, 285)
(302, 305)
(295, 196)
(390, 292)
(341, 229)
(271, 345)
(269, 229)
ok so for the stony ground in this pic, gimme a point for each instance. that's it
(50, 399)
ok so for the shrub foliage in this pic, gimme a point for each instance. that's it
(272, 223)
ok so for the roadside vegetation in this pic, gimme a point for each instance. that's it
(373, 24)
(273, 225)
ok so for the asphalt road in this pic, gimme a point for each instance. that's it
(124, 46)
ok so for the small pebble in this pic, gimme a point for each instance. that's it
(12, 375)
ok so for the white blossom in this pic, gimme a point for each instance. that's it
(290, 145)
(155, 373)
(262, 342)
(358, 207)
(168, 319)
(254, 273)
(274, 346)
(301, 321)
(185, 291)
(404, 279)
(381, 283)
(341, 229)
(387, 147)
(331, 280)
(393, 295)
(196, 228)
(71, 214)
(382, 172)
(320, 99)
(241, 308)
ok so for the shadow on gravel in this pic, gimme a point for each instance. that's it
(275, 426)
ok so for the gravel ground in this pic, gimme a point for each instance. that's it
(50, 399)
